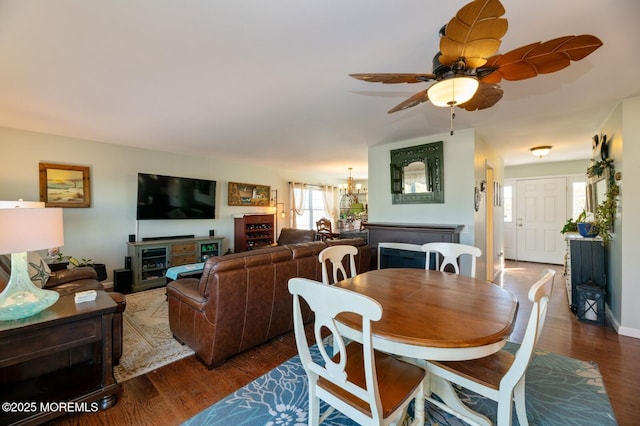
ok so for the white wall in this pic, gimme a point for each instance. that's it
(623, 130)
(557, 168)
(464, 165)
(626, 258)
(458, 185)
(100, 232)
(486, 158)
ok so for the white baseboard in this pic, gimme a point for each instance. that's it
(623, 331)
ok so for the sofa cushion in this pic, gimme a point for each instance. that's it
(292, 236)
(79, 273)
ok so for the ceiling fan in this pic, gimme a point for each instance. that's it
(465, 73)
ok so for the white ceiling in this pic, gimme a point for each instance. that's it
(267, 81)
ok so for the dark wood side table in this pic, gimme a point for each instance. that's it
(77, 339)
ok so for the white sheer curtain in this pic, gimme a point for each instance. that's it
(329, 194)
(298, 197)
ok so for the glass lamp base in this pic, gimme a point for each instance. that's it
(20, 298)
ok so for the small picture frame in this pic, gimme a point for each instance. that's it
(63, 185)
(249, 194)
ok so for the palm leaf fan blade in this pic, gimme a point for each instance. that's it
(416, 99)
(388, 78)
(474, 33)
(487, 96)
(541, 58)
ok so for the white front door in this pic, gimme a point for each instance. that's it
(540, 215)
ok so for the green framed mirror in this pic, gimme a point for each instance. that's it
(417, 174)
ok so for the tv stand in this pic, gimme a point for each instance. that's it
(170, 237)
(150, 259)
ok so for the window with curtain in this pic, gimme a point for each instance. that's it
(310, 204)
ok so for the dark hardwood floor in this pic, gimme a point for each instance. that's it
(174, 393)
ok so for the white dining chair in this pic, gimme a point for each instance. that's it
(368, 386)
(334, 255)
(397, 246)
(451, 252)
(501, 376)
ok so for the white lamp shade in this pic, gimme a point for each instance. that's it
(29, 229)
(452, 91)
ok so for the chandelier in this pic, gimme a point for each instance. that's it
(350, 205)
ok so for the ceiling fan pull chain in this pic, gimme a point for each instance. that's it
(453, 115)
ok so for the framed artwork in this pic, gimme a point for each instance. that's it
(63, 185)
(249, 194)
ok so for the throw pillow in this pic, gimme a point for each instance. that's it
(39, 271)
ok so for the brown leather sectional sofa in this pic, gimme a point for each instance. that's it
(242, 300)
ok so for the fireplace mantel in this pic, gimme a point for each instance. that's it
(414, 233)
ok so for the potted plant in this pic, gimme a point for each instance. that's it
(585, 224)
(571, 225)
(588, 229)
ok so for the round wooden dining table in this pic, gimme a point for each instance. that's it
(433, 315)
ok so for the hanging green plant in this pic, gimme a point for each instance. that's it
(597, 168)
(605, 214)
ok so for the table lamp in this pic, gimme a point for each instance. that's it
(26, 226)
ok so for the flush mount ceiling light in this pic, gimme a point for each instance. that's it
(540, 151)
(452, 91)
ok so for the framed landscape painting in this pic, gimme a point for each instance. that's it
(249, 194)
(64, 185)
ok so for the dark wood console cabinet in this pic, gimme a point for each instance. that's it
(62, 355)
(585, 264)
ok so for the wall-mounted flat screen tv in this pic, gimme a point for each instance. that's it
(169, 197)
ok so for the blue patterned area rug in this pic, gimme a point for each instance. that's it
(560, 391)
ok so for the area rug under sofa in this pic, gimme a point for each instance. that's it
(147, 341)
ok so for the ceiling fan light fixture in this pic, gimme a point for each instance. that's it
(452, 91)
(540, 151)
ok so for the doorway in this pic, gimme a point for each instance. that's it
(541, 211)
